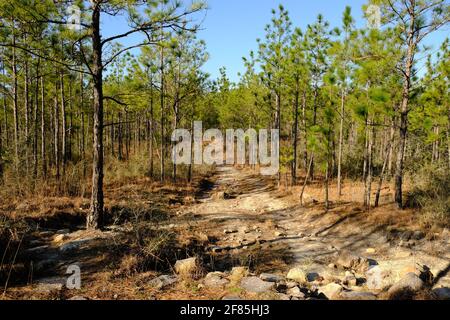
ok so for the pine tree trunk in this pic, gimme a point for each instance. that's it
(15, 106)
(341, 142)
(43, 140)
(295, 141)
(96, 210)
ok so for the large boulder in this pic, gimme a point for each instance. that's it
(406, 288)
(256, 285)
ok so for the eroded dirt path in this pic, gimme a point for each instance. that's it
(244, 209)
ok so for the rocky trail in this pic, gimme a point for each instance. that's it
(259, 242)
(326, 247)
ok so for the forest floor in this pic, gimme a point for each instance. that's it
(230, 219)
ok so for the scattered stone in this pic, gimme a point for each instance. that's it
(163, 281)
(187, 268)
(422, 271)
(295, 292)
(350, 279)
(331, 290)
(271, 277)
(256, 285)
(442, 293)
(215, 279)
(50, 284)
(60, 238)
(371, 250)
(297, 274)
(357, 295)
(347, 260)
(313, 276)
(332, 266)
(239, 272)
(378, 278)
(75, 245)
(301, 235)
(406, 287)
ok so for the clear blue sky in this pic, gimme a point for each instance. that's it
(231, 27)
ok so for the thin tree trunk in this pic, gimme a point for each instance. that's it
(15, 106)
(97, 201)
(295, 142)
(308, 174)
(341, 142)
(43, 140)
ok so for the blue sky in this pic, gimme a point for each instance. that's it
(231, 27)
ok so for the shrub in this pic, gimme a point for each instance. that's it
(431, 193)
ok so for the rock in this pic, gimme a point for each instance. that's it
(229, 231)
(215, 279)
(313, 276)
(331, 290)
(291, 284)
(189, 200)
(371, 250)
(358, 295)
(256, 285)
(347, 260)
(279, 234)
(379, 278)
(297, 274)
(295, 292)
(51, 284)
(231, 298)
(60, 238)
(332, 266)
(163, 281)
(239, 272)
(219, 195)
(271, 277)
(187, 268)
(78, 298)
(422, 271)
(406, 287)
(75, 245)
(442, 293)
(350, 279)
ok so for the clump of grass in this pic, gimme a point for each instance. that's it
(431, 193)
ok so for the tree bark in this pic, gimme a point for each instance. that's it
(96, 210)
